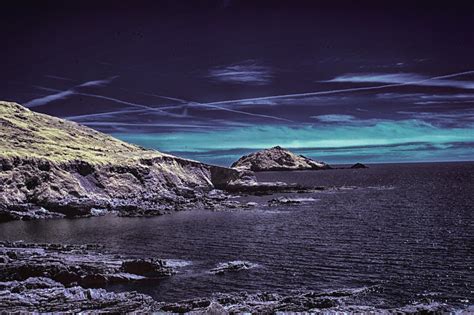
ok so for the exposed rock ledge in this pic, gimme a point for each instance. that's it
(277, 159)
(70, 265)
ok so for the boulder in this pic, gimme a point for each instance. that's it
(147, 267)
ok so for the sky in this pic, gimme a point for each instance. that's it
(338, 81)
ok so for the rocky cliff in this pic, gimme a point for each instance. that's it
(51, 167)
(277, 159)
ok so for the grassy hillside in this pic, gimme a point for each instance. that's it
(24, 133)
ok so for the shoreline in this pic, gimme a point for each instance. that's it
(70, 278)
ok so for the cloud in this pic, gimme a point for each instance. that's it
(98, 83)
(402, 78)
(248, 72)
(58, 77)
(423, 96)
(334, 118)
(335, 91)
(49, 98)
(59, 95)
(449, 119)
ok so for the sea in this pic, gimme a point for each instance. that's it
(400, 233)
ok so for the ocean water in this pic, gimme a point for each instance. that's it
(404, 232)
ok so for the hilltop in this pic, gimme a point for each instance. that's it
(277, 159)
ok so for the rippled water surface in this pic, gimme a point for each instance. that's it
(407, 231)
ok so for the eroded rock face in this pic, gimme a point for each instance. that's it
(51, 167)
(39, 294)
(277, 159)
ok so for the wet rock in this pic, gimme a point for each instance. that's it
(289, 201)
(93, 280)
(194, 305)
(277, 159)
(261, 188)
(359, 165)
(6, 215)
(72, 264)
(232, 266)
(147, 267)
(260, 303)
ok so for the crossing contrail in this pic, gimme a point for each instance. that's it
(273, 97)
(215, 105)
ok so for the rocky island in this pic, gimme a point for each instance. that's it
(277, 159)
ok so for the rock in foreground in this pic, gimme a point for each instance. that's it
(74, 265)
(277, 159)
(41, 294)
(64, 278)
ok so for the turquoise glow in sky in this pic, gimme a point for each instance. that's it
(382, 141)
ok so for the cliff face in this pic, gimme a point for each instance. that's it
(52, 167)
(277, 159)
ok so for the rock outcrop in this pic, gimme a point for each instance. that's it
(277, 159)
(70, 265)
(43, 295)
(50, 167)
(359, 165)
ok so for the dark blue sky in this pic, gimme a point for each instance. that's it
(371, 81)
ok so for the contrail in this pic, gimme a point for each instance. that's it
(214, 104)
(337, 91)
(132, 104)
(64, 94)
(186, 103)
(124, 111)
(58, 77)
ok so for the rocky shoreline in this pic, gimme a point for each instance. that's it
(69, 278)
